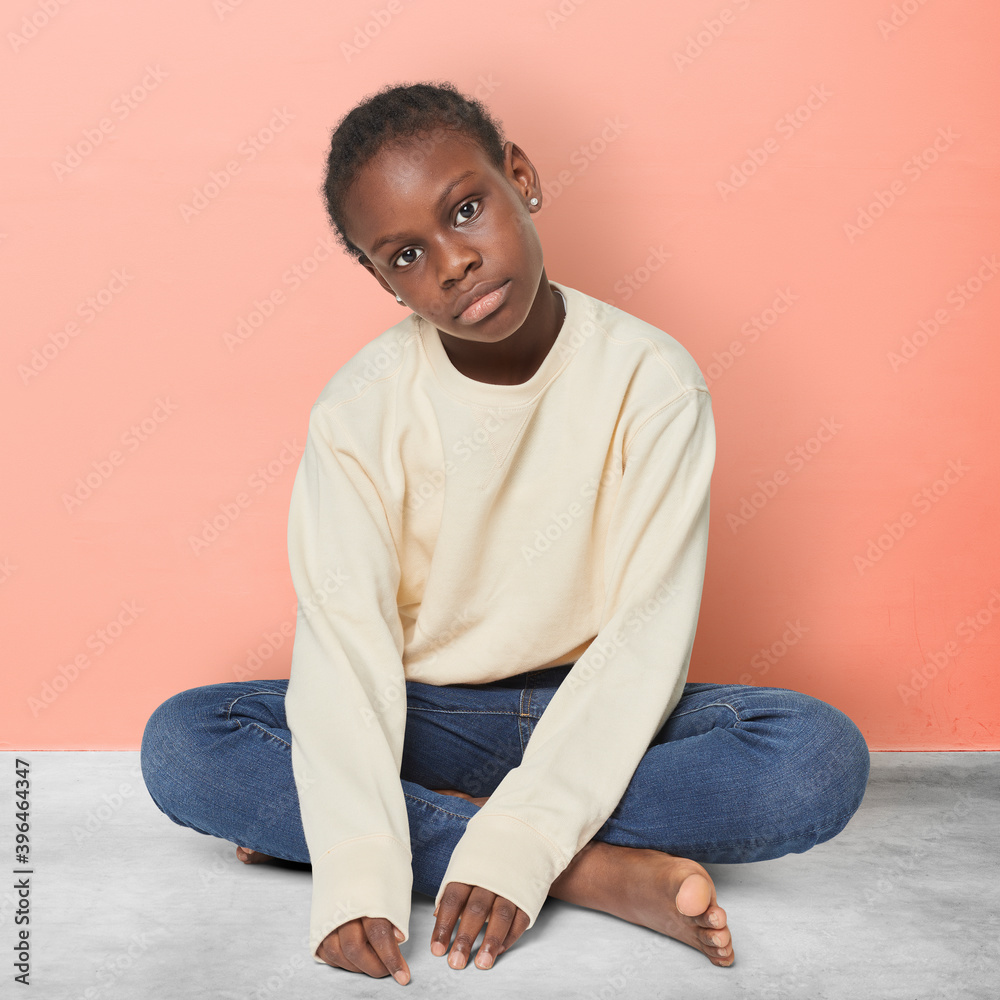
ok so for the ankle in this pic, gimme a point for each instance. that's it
(585, 873)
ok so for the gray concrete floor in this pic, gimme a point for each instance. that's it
(904, 903)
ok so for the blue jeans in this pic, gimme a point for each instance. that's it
(736, 774)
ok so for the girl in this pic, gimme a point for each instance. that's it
(497, 536)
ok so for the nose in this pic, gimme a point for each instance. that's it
(456, 257)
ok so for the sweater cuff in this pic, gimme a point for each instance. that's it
(364, 877)
(507, 856)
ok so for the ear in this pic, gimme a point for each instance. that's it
(520, 171)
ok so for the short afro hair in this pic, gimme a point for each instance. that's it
(391, 117)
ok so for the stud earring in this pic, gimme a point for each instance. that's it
(534, 201)
(399, 300)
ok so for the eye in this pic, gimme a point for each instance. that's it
(406, 251)
(417, 250)
(466, 205)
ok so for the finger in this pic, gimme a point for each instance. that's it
(518, 927)
(357, 948)
(331, 952)
(501, 920)
(452, 902)
(474, 915)
(382, 937)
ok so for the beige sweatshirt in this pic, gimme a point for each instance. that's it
(446, 530)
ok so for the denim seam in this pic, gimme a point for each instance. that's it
(537, 832)
(267, 732)
(460, 711)
(714, 704)
(524, 712)
(245, 694)
(433, 805)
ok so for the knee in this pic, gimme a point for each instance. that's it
(833, 762)
(167, 732)
(860, 757)
(157, 737)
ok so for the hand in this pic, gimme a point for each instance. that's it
(472, 906)
(366, 944)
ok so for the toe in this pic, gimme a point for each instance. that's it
(716, 939)
(722, 955)
(251, 857)
(694, 895)
(714, 916)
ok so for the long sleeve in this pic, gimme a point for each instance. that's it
(346, 697)
(600, 722)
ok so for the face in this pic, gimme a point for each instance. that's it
(435, 219)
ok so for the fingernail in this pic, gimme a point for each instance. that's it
(399, 934)
(438, 948)
(400, 977)
(436, 908)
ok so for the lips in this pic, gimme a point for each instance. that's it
(476, 292)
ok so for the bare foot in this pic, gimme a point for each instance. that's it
(672, 895)
(250, 857)
(481, 801)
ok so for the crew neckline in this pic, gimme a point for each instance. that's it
(488, 393)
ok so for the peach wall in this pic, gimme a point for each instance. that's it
(829, 173)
